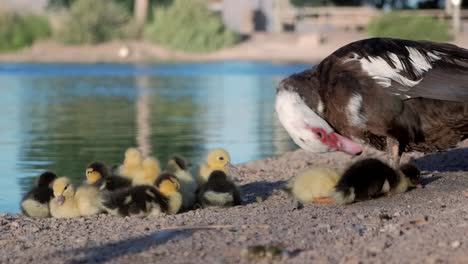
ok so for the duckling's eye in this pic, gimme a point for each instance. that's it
(66, 187)
(221, 158)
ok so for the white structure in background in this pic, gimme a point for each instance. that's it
(456, 16)
(248, 16)
(35, 6)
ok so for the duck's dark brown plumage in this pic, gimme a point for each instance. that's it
(427, 111)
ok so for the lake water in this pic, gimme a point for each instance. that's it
(60, 117)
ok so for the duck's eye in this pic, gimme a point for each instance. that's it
(66, 187)
(221, 158)
(319, 134)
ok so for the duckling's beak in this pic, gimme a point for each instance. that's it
(230, 167)
(60, 199)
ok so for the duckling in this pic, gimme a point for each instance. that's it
(219, 190)
(149, 173)
(132, 164)
(169, 185)
(369, 178)
(408, 178)
(188, 185)
(99, 175)
(64, 204)
(88, 198)
(413, 173)
(36, 202)
(217, 159)
(143, 200)
(313, 185)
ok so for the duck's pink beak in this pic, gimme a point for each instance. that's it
(345, 144)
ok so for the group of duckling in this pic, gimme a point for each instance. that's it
(365, 179)
(139, 187)
(136, 187)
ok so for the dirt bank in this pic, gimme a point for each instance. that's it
(422, 226)
(276, 48)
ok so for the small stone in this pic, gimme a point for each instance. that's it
(455, 244)
(15, 224)
(360, 216)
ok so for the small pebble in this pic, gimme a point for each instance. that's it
(15, 224)
(455, 244)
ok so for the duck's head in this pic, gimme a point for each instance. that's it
(96, 172)
(218, 159)
(167, 183)
(300, 109)
(46, 178)
(63, 189)
(176, 163)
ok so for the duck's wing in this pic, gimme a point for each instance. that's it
(412, 69)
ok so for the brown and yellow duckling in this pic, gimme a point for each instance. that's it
(219, 190)
(36, 202)
(188, 185)
(98, 174)
(369, 178)
(162, 197)
(217, 159)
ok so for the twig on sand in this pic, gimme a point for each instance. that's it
(201, 227)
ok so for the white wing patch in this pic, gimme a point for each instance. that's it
(354, 109)
(320, 106)
(384, 73)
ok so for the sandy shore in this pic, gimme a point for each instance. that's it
(276, 48)
(261, 47)
(422, 226)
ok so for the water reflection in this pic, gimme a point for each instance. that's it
(61, 117)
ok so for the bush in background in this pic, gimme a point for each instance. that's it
(189, 25)
(395, 25)
(20, 31)
(91, 21)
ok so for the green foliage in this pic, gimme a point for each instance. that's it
(189, 25)
(396, 25)
(91, 21)
(20, 31)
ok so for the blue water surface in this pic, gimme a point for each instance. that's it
(60, 117)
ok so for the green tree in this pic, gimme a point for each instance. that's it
(189, 25)
(93, 21)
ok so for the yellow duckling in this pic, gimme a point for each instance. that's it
(149, 173)
(313, 185)
(217, 159)
(169, 186)
(132, 164)
(64, 204)
(188, 185)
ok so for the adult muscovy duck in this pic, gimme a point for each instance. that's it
(393, 94)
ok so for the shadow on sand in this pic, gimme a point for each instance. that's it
(447, 161)
(262, 189)
(109, 251)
